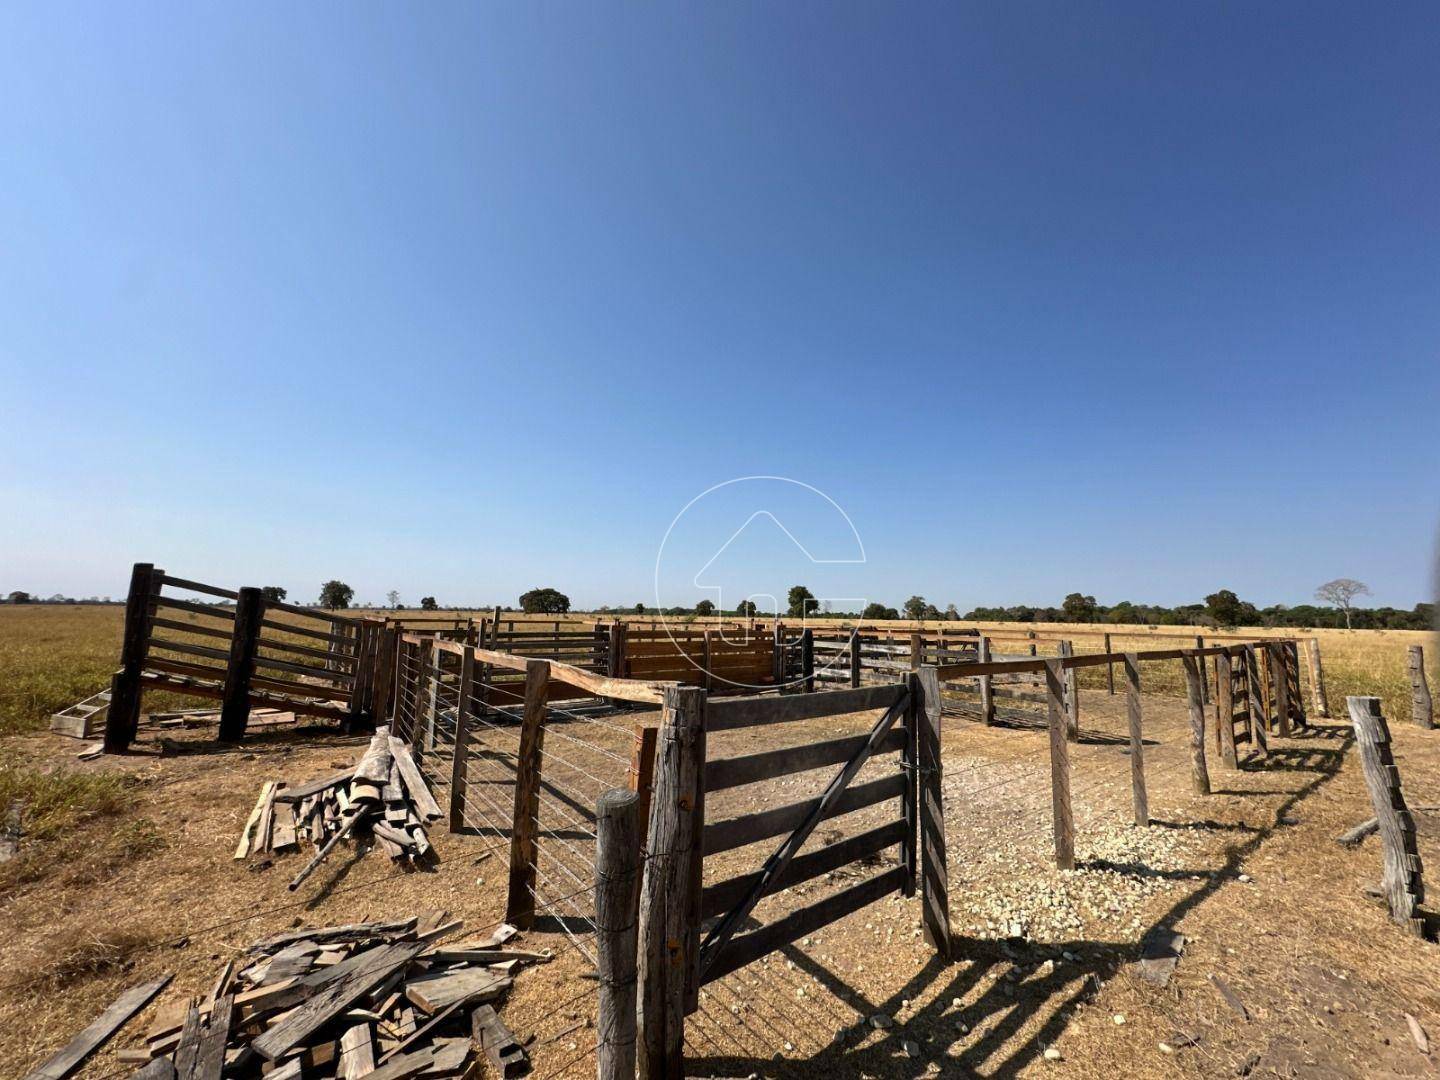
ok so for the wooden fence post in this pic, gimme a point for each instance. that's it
(1255, 690)
(855, 657)
(1225, 711)
(807, 660)
(122, 719)
(460, 759)
(1109, 669)
(1194, 678)
(1204, 681)
(641, 777)
(670, 896)
(1137, 740)
(529, 763)
(987, 695)
(1063, 817)
(1318, 698)
(934, 875)
(235, 706)
(1403, 880)
(1293, 693)
(1280, 688)
(1072, 694)
(1421, 709)
(617, 905)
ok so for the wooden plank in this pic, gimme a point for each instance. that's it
(728, 714)
(370, 969)
(1402, 879)
(767, 764)
(210, 1057)
(425, 805)
(529, 762)
(723, 895)
(1062, 815)
(750, 947)
(775, 865)
(357, 1052)
(267, 792)
(1421, 707)
(934, 872)
(641, 776)
(69, 1057)
(764, 824)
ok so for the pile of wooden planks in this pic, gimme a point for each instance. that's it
(378, 1000)
(384, 797)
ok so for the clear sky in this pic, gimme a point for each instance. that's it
(459, 299)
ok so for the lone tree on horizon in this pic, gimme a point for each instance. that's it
(336, 594)
(273, 592)
(427, 603)
(394, 597)
(1340, 593)
(801, 602)
(544, 601)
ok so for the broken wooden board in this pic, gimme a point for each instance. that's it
(95, 1035)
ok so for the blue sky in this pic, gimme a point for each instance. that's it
(461, 299)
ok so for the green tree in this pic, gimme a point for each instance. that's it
(915, 607)
(273, 592)
(544, 601)
(336, 594)
(1079, 608)
(879, 611)
(19, 596)
(747, 609)
(802, 602)
(1227, 609)
(639, 609)
(427, 603)
(705, 607)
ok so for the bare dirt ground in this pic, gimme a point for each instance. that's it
(1251, 875)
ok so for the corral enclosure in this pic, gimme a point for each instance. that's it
(1033, 804)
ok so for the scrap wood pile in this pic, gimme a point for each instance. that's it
(378, 1000)
(385, 797)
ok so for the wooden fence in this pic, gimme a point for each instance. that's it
(241, 649)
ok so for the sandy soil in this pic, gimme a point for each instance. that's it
(1250, 874)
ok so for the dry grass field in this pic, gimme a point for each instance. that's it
(125, 872)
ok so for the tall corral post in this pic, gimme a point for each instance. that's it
(1421, 708)
(244, 642)
(1063, 816)
(1072, 693)
(807, 660)
(1254, 689)
(1279, 688)
(670, 895)
(1225, 711)
(529, 763)
(934, 876)
(1137, 740)
(123, 717)
(617, 906)
(855, 657)
(1194, 681)
(1109, 668)
(1293, 694)
(641, 777)
(1204, 682)
(1403, 880)
(987, 696)
(460, 760)
(1319, 701)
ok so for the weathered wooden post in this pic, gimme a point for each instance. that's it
(617, 904)
(1194, 678)
(1072, 693)
(244, 643)
(460, 760)
(1225, 710)
(1137, 740)
(1279, 688)
(122, 719)
(1259, 732)
(641, 776)
(1421, 710)
(670, 895)
(495, 629)
(1204, 681)
(987, 695)
(707, 680)
(1403, 879)
(934, 875)
(807, 660)
(529, 762)
(1062, 815)
(855, 657)
(1109, 668)
(1293, 692)
(1318, 698)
